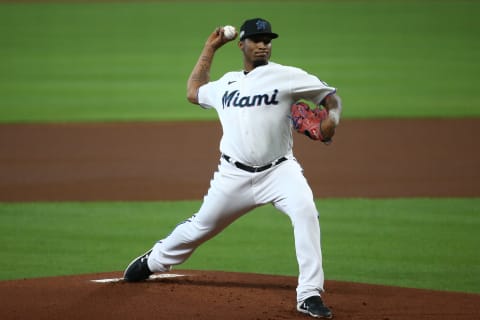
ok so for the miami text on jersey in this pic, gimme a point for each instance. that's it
(234, 99)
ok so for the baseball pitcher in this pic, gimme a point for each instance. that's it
(258, 108)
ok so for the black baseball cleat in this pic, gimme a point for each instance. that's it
(314, 307)
(138, 269)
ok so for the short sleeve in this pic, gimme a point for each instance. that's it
(307, 86)
(207, 95)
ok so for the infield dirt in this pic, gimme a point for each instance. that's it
(173, 161)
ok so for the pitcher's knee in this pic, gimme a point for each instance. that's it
(308, 208)
(305, 212)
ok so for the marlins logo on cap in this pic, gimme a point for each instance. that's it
(256, 26)
(261, 24)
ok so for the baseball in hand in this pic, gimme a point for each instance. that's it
(229, 32)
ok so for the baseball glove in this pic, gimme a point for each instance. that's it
(308, 121)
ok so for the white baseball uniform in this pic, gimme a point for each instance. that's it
(254, 110)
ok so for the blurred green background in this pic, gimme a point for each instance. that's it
(123, 61)
(131, 61)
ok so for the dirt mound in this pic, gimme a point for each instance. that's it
(219, 295)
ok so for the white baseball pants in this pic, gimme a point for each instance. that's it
(234, 192)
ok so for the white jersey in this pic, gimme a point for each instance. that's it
(254, 109)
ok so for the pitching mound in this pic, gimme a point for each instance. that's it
(219, 295)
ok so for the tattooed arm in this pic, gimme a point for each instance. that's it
(201, 72)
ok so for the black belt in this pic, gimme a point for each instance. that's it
(253, 169)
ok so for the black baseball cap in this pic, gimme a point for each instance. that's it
(256, 26)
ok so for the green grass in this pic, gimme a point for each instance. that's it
(424, 243)
(130, 61)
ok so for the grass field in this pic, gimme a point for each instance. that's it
(426, 243)
(130, 61)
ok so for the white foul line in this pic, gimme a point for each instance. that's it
(155, 276)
